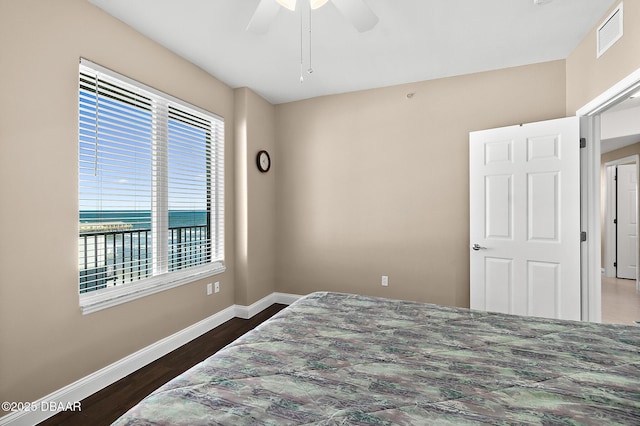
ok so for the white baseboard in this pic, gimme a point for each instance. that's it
(246, 312)
(71, 394)
(286, 298)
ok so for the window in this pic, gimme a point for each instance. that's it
(150, 190)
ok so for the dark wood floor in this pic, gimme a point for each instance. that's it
(105, 406)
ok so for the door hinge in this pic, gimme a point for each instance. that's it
(615, 221)
(583, 236)
(615, 264)
(583, 142)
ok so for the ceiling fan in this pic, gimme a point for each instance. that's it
(356, 11)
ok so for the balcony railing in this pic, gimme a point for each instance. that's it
(113, 257)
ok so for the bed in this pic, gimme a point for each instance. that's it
(332, 359)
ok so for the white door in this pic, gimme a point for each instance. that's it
(626, 221)
(525, 219)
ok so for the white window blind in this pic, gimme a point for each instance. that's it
(151, 179)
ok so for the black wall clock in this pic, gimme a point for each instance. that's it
(263, 160)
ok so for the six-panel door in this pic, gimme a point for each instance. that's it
(525, 219)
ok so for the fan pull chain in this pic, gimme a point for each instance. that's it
(310, 70)
(301, 43)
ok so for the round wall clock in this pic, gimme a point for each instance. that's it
(263, 161)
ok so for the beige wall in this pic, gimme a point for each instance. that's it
(588, 76)
(45, 342)
(255, 198)
(362, 184)
(374, 183)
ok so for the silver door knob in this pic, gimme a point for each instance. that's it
(477, 247)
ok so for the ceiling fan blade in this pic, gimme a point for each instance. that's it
(263, 16)
(357, 11)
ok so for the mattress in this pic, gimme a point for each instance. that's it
(333, 359)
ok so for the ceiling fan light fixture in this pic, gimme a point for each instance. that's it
(289, 4)
(316, 4)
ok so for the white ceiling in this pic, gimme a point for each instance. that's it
(414, 40)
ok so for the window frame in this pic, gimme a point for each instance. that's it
(96, 300)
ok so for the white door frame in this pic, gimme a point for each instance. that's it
(590, 191)
(610, 207)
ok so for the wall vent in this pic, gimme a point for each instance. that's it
(609, 31)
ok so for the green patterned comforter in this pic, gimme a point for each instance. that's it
(333, 359)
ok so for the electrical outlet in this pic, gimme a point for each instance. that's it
(385, 281)
(217, 286)
(209, 289)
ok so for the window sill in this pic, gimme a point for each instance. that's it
(112, 296)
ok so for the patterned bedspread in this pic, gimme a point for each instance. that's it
(332, 359)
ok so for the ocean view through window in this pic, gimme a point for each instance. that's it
(151, 174)
(116, 245)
